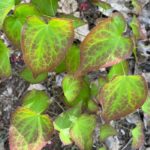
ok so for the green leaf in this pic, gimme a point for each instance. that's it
(82, 130)
(5, 7)
(13, 24)
(96, 85)
(121, 68)
(29, 130)
(73, 59)
(136, 28)
(106, 131)
(83, 95)
(77, 22)
(17, 2)
(71, 87)
(146, 106)
(137, 6)
(5, 67)
(92, 106)
(37, 101)
(64, 122)
(138, 136)
(47, 7)
(105, 45)
(102, 4)
(44, 44)
(27, 75)
(61, 67)
(122, 96)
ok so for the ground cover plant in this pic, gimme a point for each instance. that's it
(47, 43)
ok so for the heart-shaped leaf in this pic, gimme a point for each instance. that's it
(64, 122)
(27, 75)
(82, 130)
(47, 7)
(146, 106)
(106, 131)
(73, 59)
(29, 130)
(122, 96)
(13, 24)
(5, 7)
(71, 87)
(44, 44)
(5, 68)
(138, 136)
(105, 45)
(121, 68)
(37, 101)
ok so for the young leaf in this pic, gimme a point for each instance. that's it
(138, 136)
(5, 67)
(103, 148)
(122, 96)
(106, 131)
(73, 59)
(105, 45)
(146, 106)
(37, 101)
(71, 87)
(82, 130)
(77, 22)
(27, 75)
(101, 4)
(29, 130)
(47, 7)
(44, 44)
(121, 68)
(5, 7)
(64, 122)
(13, 24)
(83, 95)
(136, 28)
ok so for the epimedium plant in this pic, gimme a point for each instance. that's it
(47, 44)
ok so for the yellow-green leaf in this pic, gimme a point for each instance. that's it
(137, 136)
(105, 45)
(37, 101)
(29, 130)
(146, 106)
(5, 7)
(13, 23)
(122, 96)
(47, 7)
(71, 87)
(82, 130)
(106, 131)
(5, 67)
(44, 44)
(121, 68)
(64, 122)
(73, 59)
